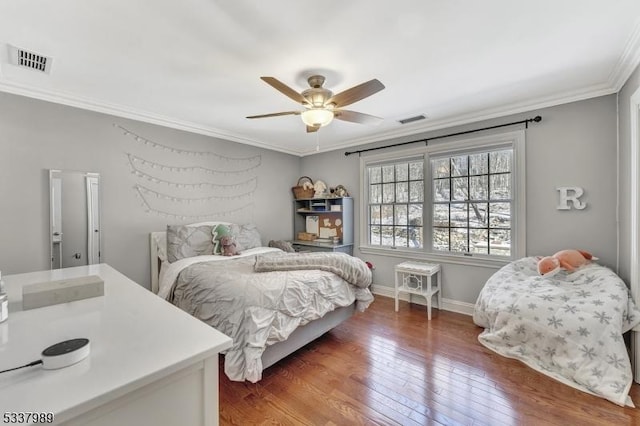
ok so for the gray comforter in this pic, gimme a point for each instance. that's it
(259, 309)
(349, 268)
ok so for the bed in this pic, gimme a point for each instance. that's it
(569, 326)
(268, 314)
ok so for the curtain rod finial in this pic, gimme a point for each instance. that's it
(537, 119)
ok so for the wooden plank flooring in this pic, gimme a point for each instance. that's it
(383, 367)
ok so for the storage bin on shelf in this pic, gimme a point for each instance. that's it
(306, 236)
(299, 191)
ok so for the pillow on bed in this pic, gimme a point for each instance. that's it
(247, 236)
(285, 246)
(188, 241)
(217, 232)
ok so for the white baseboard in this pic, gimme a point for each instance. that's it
(447, 304)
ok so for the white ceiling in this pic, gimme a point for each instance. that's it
(196, 64)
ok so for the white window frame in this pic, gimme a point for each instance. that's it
(513, 140)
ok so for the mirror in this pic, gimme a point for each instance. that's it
(74, 201)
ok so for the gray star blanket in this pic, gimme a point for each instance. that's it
(568, 326)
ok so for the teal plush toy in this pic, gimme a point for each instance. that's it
(219, 231)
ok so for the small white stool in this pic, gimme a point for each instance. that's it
(410, 278)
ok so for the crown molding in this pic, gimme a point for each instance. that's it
(628, 62)
(626, 65)
(431, 125)
(132, 113)
(473, 117)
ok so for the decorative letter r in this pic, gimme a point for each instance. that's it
(570, 193)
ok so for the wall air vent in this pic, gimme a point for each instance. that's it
(412, 119)
(31, 60)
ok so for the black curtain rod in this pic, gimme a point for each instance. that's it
(526, 122)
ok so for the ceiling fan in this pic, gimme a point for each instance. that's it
(322, 106)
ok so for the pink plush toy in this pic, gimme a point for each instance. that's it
(564, 259)
(228, 246)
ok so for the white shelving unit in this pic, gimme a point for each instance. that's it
(334, 214)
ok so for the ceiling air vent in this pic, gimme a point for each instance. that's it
(412, 119)
(31, 60)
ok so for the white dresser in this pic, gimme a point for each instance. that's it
(150, 363)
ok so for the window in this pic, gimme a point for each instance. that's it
(396, 200)
(462, 199)
(471, 203)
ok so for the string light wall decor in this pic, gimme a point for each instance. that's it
(183, 184)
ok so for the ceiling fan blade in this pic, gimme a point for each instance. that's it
(356, 117)
(276, 114)
(283, 88)
(311, 129)
(356, 93)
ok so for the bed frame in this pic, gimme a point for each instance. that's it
(300, 336)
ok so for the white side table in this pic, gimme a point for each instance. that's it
(415, 278)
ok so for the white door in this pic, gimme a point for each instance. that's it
(635, 226)
(56, 210)
(56, 222)
(93, 222)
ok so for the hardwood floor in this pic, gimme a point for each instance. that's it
(383, 367)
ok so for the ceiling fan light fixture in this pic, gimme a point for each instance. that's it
(321, 105)
(315, 117)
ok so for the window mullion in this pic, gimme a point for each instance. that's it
(489, 205)
(468, 204)
(450, 199)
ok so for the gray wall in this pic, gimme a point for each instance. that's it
(574, 145)
(624, 123)
(36, 136)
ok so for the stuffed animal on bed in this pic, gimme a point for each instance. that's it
(285, 246)
(228, 246)
(570, 260)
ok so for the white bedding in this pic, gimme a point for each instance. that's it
(170, 271)
(255, 309)
(568, 327)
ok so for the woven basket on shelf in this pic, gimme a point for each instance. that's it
(300, 192)
(306, 236)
